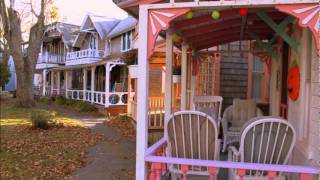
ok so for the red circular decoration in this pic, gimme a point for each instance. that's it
(243, 11)
(293, 84)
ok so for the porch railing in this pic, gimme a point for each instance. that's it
(156, 156)
(156, 112)
(51, 58)
(87, 53)
(98, 97)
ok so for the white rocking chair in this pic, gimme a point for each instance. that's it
(210, 105)
(267, 140)
(234, 117)
(193, 135)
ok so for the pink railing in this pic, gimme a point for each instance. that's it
(156, 112)
(156, 156)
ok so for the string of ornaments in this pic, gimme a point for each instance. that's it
(215, 14)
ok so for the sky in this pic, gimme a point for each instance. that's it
(74, 11)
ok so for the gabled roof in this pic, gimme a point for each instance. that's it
(103, 25)
(123, 26)
(67, 32)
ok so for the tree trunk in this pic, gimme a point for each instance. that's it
(25, 96)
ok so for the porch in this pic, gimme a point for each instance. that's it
(101, 83)
(196, 28)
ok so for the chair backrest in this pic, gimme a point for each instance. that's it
(243, 110)
(210, 105)
(267, 140)
(193, 135)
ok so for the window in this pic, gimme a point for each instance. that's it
(257, 78)
(93, 42)
(108, 48)
(126, 41)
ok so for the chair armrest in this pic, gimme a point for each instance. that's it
(224, 124)
(233, 154)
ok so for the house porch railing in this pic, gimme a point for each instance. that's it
(50, 58)
(87, 53)
(159, 165)
(98, 97)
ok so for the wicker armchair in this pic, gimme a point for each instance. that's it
(234, 117)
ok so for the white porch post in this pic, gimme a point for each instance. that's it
(51, 82)
(168, 84)
(143, 86)
(66, 82)
(184, 77)
(44, 81)
(107, 85)
(84, 84)
(92, 83)
(58, 82)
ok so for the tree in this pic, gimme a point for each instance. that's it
(25, 59)
(4, 68)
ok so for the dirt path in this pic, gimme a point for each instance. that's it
(112, 159)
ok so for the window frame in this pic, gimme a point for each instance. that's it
(125, 38)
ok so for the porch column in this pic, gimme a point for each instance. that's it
(168, 83)
(143, 86)
(66, 83)
(44, 81)
(184, 77)
(58, 82)
(93, 69)
(84, 84)
(51, 82)
(107, 85)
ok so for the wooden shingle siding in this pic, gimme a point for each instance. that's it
(155, 81)
(234, 73)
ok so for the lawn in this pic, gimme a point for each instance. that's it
(28, 153)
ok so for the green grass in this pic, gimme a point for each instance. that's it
(29, 153)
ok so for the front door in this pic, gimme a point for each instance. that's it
(284, 76)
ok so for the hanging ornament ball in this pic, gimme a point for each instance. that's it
(243, 11)
(189, 15)
(175, 38)
(194, 52)
(215, 14)
(187, 46)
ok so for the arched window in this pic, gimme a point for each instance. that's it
(93, 42)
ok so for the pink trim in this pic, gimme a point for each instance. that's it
(159, 19)
(307, 14)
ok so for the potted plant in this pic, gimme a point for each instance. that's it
(176, 74)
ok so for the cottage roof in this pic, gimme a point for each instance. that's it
(91, 23)
(123, 26)
(67, 32)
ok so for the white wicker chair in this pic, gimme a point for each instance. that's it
(210, 105)
(193, 135)
(234, 117)
(267, 140)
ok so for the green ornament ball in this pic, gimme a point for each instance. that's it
(215, 14)
(189, 15)
(175, 38)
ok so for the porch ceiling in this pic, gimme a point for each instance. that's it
(202, 31)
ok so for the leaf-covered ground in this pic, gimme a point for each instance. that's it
(124, 125)
(27, 153)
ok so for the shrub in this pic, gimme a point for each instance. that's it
(60, 100)
(46, 100)
(42, 119)
(85, 107)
